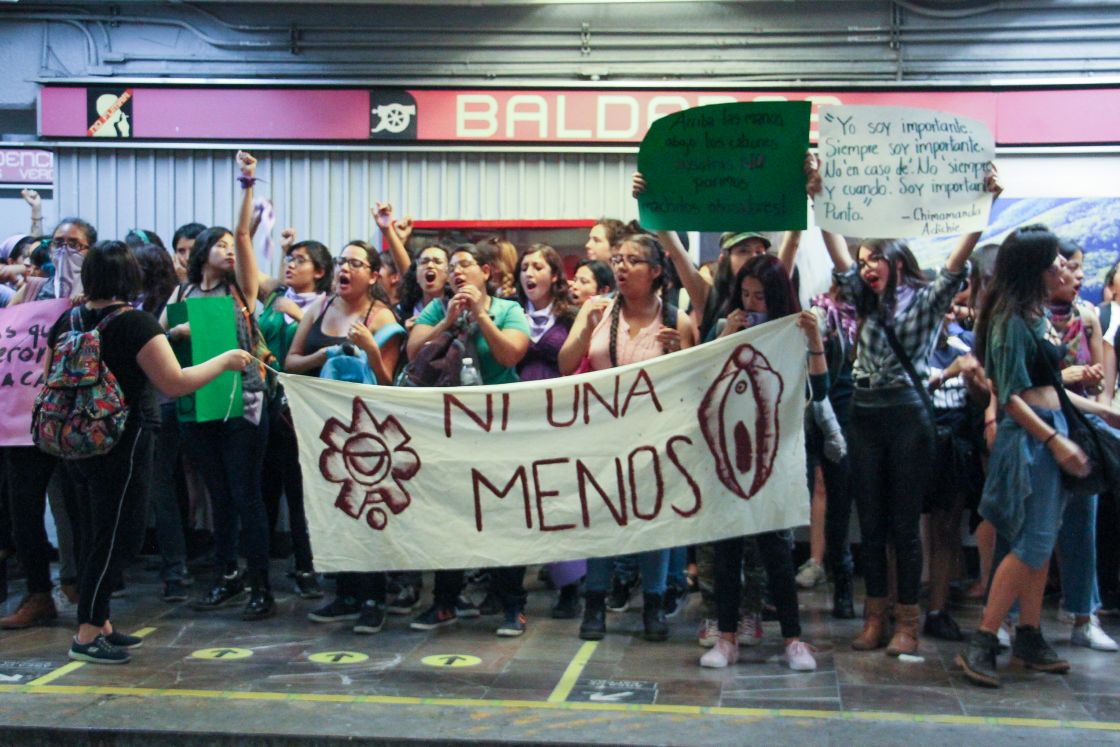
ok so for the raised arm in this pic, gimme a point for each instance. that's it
(248, 274)
(383, 216)
(32, 198)
(963, 250)
(579, 338)
(787, 253)
(833, 242)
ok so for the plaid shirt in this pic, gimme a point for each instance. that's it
(916, 327)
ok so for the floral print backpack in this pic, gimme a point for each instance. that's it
(80, 411)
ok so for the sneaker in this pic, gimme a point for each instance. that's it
(174, 591)
(724, 653)
(799, 657)
(405, 601)
(307, 585)
(464, 607)
(371, 619)
(118, 639)
(339, 609)
(1003, 636)
(567, 605)
(810, 574)
(979, 660)
(618, 600)
(98, 651)
(35, 609)
(708, 633)
(513, 625)
(1032, 651)
(228, 588)
(941, 625)
(62, 601)
(750, 630)
(490, 605)
(1091, 635)
(673, 601)
(434, 617)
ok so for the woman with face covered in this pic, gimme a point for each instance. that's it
(892, 431)
(627, 329)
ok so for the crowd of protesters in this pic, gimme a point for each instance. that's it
(912, 374)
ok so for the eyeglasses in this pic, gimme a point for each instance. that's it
(433, 261)
(464, 265)
(69, 244)
(629, 260)
(297, 260)
(353, 264)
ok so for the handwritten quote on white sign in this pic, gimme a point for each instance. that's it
(901, 172)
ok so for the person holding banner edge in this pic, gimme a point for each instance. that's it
(228, 454)
(599, 332)
(900, 316)
(113, 486)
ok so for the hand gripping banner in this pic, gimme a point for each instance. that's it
(695, 446)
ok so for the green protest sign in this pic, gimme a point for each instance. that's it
(726, 167)
(213, 331)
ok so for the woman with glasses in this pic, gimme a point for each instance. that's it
(425, 281)
(307, 279)
(356, 317)
(627, 329)
(500, 338)
(228, 454)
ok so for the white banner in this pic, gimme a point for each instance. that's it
(892, 171)
(695, 446)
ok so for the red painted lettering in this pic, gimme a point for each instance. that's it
(483, 423)
(659, 483)
(542, 494)
(612, 407)
(636, 392)
(584, 476)
(672, 454)
(575, 408)
(478, 478)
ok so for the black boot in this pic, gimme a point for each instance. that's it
(594, 625)
(226, 588)
(653, 618)
(979, 660)
(261, 604)
(1032, 651)
(567, 604)
(842, 607)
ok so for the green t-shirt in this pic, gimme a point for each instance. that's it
(506, 315)
(1012, 352)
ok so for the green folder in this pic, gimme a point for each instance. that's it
(213, 331)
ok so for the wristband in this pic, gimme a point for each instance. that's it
(247, 181)
(816, 352)
(1049, 439)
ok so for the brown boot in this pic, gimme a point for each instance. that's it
(905, 638)
(35, 609)
(874, 633)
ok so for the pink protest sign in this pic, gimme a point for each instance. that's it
(23, 350)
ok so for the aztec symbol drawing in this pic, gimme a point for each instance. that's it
(372, 462)
(744, 452)
(393, 118)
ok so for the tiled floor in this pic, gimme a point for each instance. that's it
(621, 670)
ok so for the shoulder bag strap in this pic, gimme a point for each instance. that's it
(908, 365)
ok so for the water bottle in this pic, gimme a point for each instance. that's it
(468, 375)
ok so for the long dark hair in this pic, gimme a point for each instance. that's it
(894, 252)
(200, 253)
(320, 257)
(411, 293)
(601, 271)
(1018, 287)
(781, 299)
(376, 292)
(558, 291)
(159, 276)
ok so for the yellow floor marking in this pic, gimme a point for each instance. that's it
(572, 673)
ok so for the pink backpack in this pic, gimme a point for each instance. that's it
(80, 411)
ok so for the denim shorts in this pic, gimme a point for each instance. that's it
(1023, 496)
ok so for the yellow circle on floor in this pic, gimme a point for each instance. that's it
(222, 654)
(338, 657)
(451, 660)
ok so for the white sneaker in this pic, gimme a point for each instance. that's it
(1004, 635)
(723, 654)
(708, 633)
(810, 574)
(750, 630)
(799, 656)
(1091, 635)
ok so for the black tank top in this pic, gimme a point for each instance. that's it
(317, 339)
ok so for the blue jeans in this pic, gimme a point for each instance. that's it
(653, 564)
(678, 561)
(1077, 555)
(229, 457)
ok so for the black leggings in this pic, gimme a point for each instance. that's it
(281, 474)
(892, 448)
(774, 549)
(507, 582)
(111, 490)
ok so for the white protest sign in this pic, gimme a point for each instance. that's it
(899, 172)
(695, 446)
